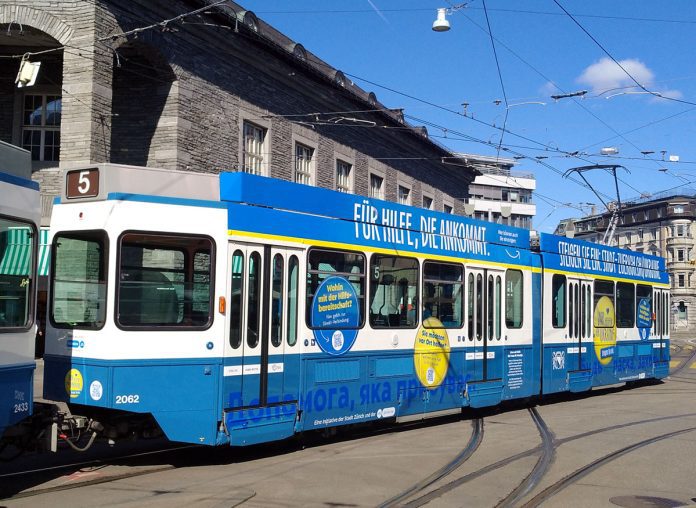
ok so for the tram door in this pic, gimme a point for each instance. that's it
(580, 338)
(661, 311)
(263, 318)
(484, 321)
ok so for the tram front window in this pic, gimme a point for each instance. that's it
(17, 253)
(164, 280)
(78, 279)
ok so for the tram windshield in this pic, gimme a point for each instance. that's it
(164, 280)
(17, 253)
(79, 280)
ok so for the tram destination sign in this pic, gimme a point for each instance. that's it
(82, 183)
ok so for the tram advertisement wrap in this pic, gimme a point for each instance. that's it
(643, 321)
(74, 383)
(604, 330)
(335, 315)
(431, 353)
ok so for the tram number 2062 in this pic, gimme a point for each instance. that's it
(127, 399)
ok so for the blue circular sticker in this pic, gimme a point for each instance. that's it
(644, 319)
(335, 315)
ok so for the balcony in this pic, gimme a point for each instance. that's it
(673, 265)
(679, 241)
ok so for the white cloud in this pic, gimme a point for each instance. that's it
(605, 74)
(549, 89)
(672, 94)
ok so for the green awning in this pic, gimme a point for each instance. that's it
(15, 246)
(44, 252)
(15, 252)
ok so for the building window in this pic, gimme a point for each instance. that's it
(376, 187)
(640, 235)
(344, 177)
(427, 202)
(304, 157)
(404, 195)
(680, 255)
(681, 230)
(682, 311)
(680, 280)
(252, 154)
(41, 126)
(448, 208)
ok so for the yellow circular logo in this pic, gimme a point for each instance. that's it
(73, 383)
(604, 331)
(431, 353)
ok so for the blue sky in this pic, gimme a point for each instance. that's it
(388, 47)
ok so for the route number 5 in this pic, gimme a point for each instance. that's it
(82, 183)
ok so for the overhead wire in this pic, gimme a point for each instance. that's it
(549, 80)
(640, 85)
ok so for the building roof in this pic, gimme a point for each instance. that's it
(286, 48)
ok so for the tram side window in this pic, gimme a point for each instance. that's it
(164, 281)
(604, 316)
(393, 292)
(558, 301)
(78, 280)
(236, 299)
(644, 307)
(293, 287)
(470, 306)
(443, 293)
(625, 304)
(253, 323)
(322, 264)
(276, 301)
(17, 258)
(514, 296)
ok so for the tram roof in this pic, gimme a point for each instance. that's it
(283, 195)
(15, 161)
(583, 257)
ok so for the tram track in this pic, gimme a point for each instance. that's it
(467, 451)
(568, 480)
(456, 483)
(87, 467)
(546, 457)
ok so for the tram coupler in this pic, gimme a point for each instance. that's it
(70, 429)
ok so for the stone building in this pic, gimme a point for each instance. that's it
(206, 86)
(663, 226)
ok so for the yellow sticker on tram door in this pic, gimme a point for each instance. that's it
(604, 332)
(431, 352)
(74, 383)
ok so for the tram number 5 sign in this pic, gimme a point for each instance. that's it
(82, 183)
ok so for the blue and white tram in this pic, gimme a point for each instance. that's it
(20, 213)
(237, 309)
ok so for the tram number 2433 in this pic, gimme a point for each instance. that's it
(21, 407)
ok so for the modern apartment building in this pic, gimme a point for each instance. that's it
(500, 194)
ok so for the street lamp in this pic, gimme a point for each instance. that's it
(441, 24)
